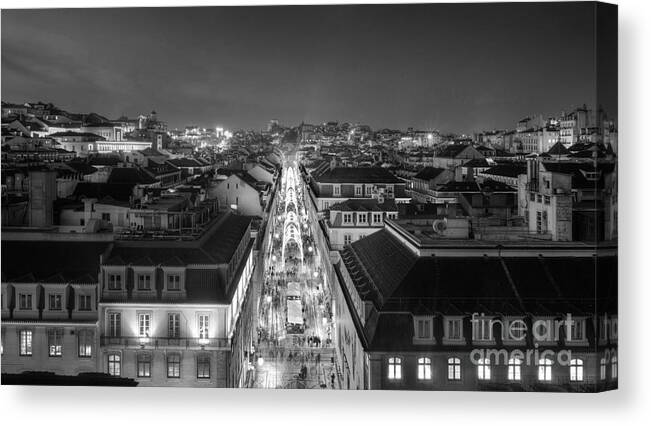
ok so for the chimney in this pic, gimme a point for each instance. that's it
(42, 193)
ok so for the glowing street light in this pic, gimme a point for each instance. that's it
(260, 361)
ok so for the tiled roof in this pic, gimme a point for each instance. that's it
(130, 175)
(400, 284)
(361, 205)
(117, 191)
(357, 175)
(507, 170)
(51, 261)
(429, 173)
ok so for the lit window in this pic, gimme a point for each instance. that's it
(576, 370)
(454, 369)
(424, 369)
(173, 325)
(484, 369)
(25, 342)
(84, 302)
(453, 329)
(55, 342)
(602, 370)
(55, 302)
(173, 282)
(545, 370)
(115, 324)
(144, 365)
(144, 282)
(203, 367)
(613, 368)
(395, 368)
(85, 343)
(25, 301)
(173, 365)
(144, 324)
(114, 364)
(514, 369)
(204, 322)
(115, 282)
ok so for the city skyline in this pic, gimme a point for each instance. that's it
(376, 65)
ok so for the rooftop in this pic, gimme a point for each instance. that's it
(357, 175)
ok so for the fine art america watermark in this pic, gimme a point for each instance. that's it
(542, 330)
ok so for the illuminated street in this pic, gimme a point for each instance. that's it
(294, 346)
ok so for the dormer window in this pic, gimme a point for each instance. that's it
(423, 328)
(336, 190)
(358, 190)
(25, 301)
(55, 302)
(144, 282)
(173, 282)
(114, 282)
(482, 329)
(348, 218)
(362, 217)
(453, 329)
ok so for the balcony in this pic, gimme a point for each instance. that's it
(163, 342)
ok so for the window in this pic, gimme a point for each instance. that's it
(514, 369)
(203, 367)
(55, 342)
(84, 302)
(203, 326)
(395, 368)
(174, 365)
(144, 324)
(348, 218)
(547, 199)
(362, 218)
(115, 282)
(144, 282)
(613, 367)
(481, 329)
(424, 328)
(106, 217)
(85, 343)
(576, 370)
(173, 282)
(174, 325)
(454, 369)
(539, 198)
(144, 365)
(453, 329)
(336, 190)
(25, 342)
(484, 369)
(539, 223)
(82, 222)
(532, 196)
(115, 324)
(358, 190)
(545, 370)
(55, 302)
(603, 369)
(114, 364)
(25, 301)
(424, 369)
(377, 217)
(347, 239)
(577, 330)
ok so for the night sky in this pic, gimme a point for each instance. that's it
(456, 68)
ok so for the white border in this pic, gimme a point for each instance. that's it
(111, 406)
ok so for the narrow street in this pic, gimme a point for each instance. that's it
(295, 331)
